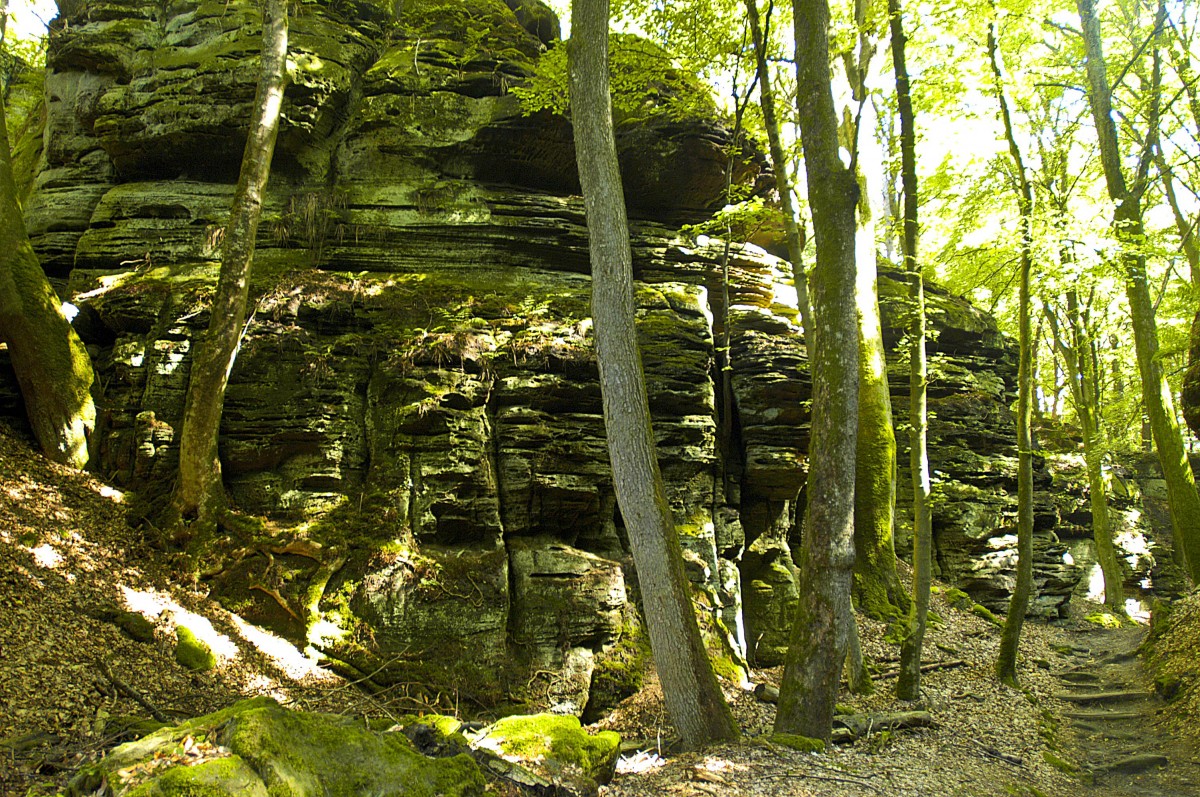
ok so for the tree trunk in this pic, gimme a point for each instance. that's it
(1010, 637)
(199, 493)
(1080, 362)
(780, 164)
(818, 642)
(876, 582)
(1182, 498)
(52, 366)
(908, 685)
(690, 688)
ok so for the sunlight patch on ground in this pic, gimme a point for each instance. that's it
(111, 493)
(47, 556)
(152, 604)
(642, 761)
(262, 685)
(284, 654)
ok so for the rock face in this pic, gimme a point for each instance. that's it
(415, 408)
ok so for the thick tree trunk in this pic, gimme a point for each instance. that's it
(1010, 637)
(52, 366)
(908, 685)
(199, 493)
(818, 643)
(1159, 404)
(690, 688)
(876, 582)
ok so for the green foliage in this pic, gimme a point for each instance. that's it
(646, 82)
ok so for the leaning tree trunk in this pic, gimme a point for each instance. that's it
(1010, 637)
(908, 685)
(52, 366)
(199, 494)
(817, 647)
(690, 688)
(1182, 498)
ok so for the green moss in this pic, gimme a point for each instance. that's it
(959, 599)
(1104, 619)
(135, 625)
(620, 671)
(979, 610)
(222, 777)
(193, 653)
(443, 724)
(795, 741)
(297, 752)
(1061, 764)
(538, 737)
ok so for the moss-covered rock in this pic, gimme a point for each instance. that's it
(556, 745)
(257, 747)
(805, 744)
(192, 652)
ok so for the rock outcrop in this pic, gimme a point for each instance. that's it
(415, 408)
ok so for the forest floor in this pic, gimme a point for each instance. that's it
(1085, 722)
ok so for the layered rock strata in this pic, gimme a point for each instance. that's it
(415, 407)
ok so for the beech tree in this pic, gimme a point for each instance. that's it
(908, 685)
(52, 366)
(690, 687)
(876, 584)
(1130, 231)
(199, 493)
(1010, 637)
(817, 647)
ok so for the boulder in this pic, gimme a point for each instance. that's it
(257, 747)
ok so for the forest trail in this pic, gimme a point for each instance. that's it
(1112, 712)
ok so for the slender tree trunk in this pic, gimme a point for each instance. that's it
(1077, 355)
(781, 165)
(52, 366)
(856, 671)
(690, 688)
(908, 685)
(1010, 638)
(1159, 403)
(817, 648)
(199, 493)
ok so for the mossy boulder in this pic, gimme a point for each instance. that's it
(257, 747)
(192, 652)
(557, 746)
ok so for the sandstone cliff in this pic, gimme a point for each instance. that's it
(415, 407)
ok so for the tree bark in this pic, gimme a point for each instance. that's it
(199, 494)
(908, 685)
(51, 364)
(876, 582)
(781, 165)
(690, 688)
(1010, 637)
(818, 641)
(1182, 498)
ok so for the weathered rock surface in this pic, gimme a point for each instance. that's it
(415, 407)
(257, 747)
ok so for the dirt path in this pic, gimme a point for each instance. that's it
(1112, 712)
